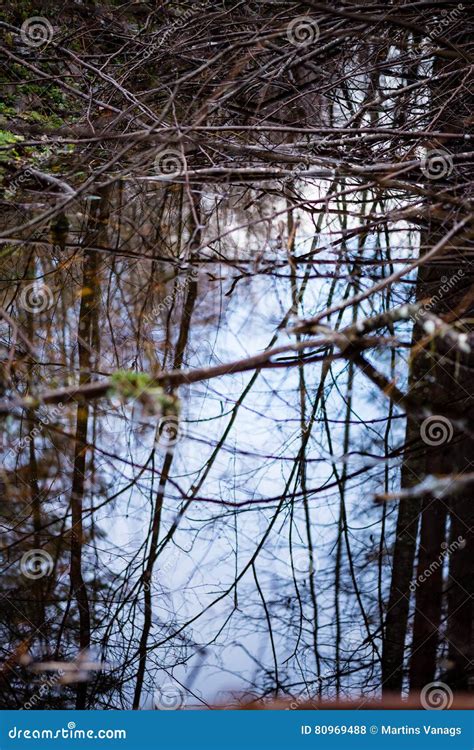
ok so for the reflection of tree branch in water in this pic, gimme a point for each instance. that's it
(183, 336)
(209, 254)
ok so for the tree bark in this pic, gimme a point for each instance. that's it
(438, 377)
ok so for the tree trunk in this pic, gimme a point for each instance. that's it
(439, 377)
(87, 344)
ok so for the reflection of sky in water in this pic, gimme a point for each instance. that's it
(214, 542)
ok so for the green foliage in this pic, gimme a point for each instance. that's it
(51, 120)
(7, 111)
(139, 386)
(7, 138)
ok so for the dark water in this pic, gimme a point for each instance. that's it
(204, 541)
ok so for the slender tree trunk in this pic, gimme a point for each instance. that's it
(396, 621)
(460, 625)
(87, 341)
(429, 593)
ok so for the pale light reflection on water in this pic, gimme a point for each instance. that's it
(257, 460)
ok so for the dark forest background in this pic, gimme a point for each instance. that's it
(236, 331)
